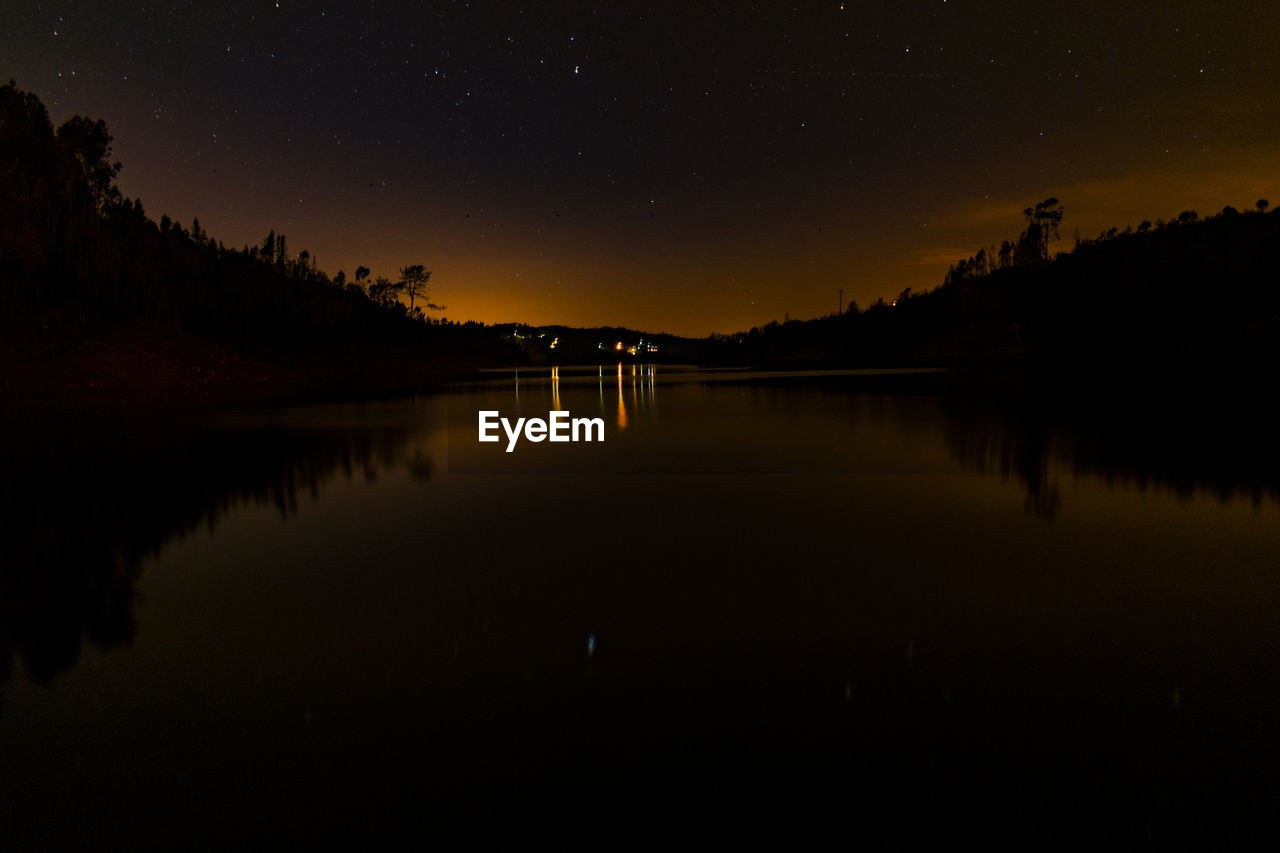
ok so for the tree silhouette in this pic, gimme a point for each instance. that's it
(385, 292)
(413, 281)
(1043, 222)
(86, 149)
(76, 257)
(1006, 254)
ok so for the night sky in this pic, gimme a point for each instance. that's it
(666, 166)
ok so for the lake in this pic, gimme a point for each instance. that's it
(886, 607)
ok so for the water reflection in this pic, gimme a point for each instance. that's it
(640, 380)
(86, 504)
(622, 407)
(1184, 446)
(1019, 446)
(834, 647)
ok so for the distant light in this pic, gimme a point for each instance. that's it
(619, 346)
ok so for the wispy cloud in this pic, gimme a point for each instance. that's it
(1126, 198)
(938, 257)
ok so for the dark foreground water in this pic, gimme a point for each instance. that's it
(824, 610)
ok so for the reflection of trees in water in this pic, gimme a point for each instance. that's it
(1184, 446)
(1012, 447)
(84, 507)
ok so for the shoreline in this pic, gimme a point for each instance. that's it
(107, 369)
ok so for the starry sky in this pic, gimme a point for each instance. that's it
(682, 167)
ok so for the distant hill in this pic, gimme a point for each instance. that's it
(571, 345)
(99, 303)
(1189, 293)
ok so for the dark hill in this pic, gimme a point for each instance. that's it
(99, 303)
(1192, 294)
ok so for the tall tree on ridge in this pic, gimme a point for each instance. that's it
(413, 280)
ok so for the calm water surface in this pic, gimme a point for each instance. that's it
(779, 606)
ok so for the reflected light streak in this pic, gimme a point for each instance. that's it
(622, 409)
